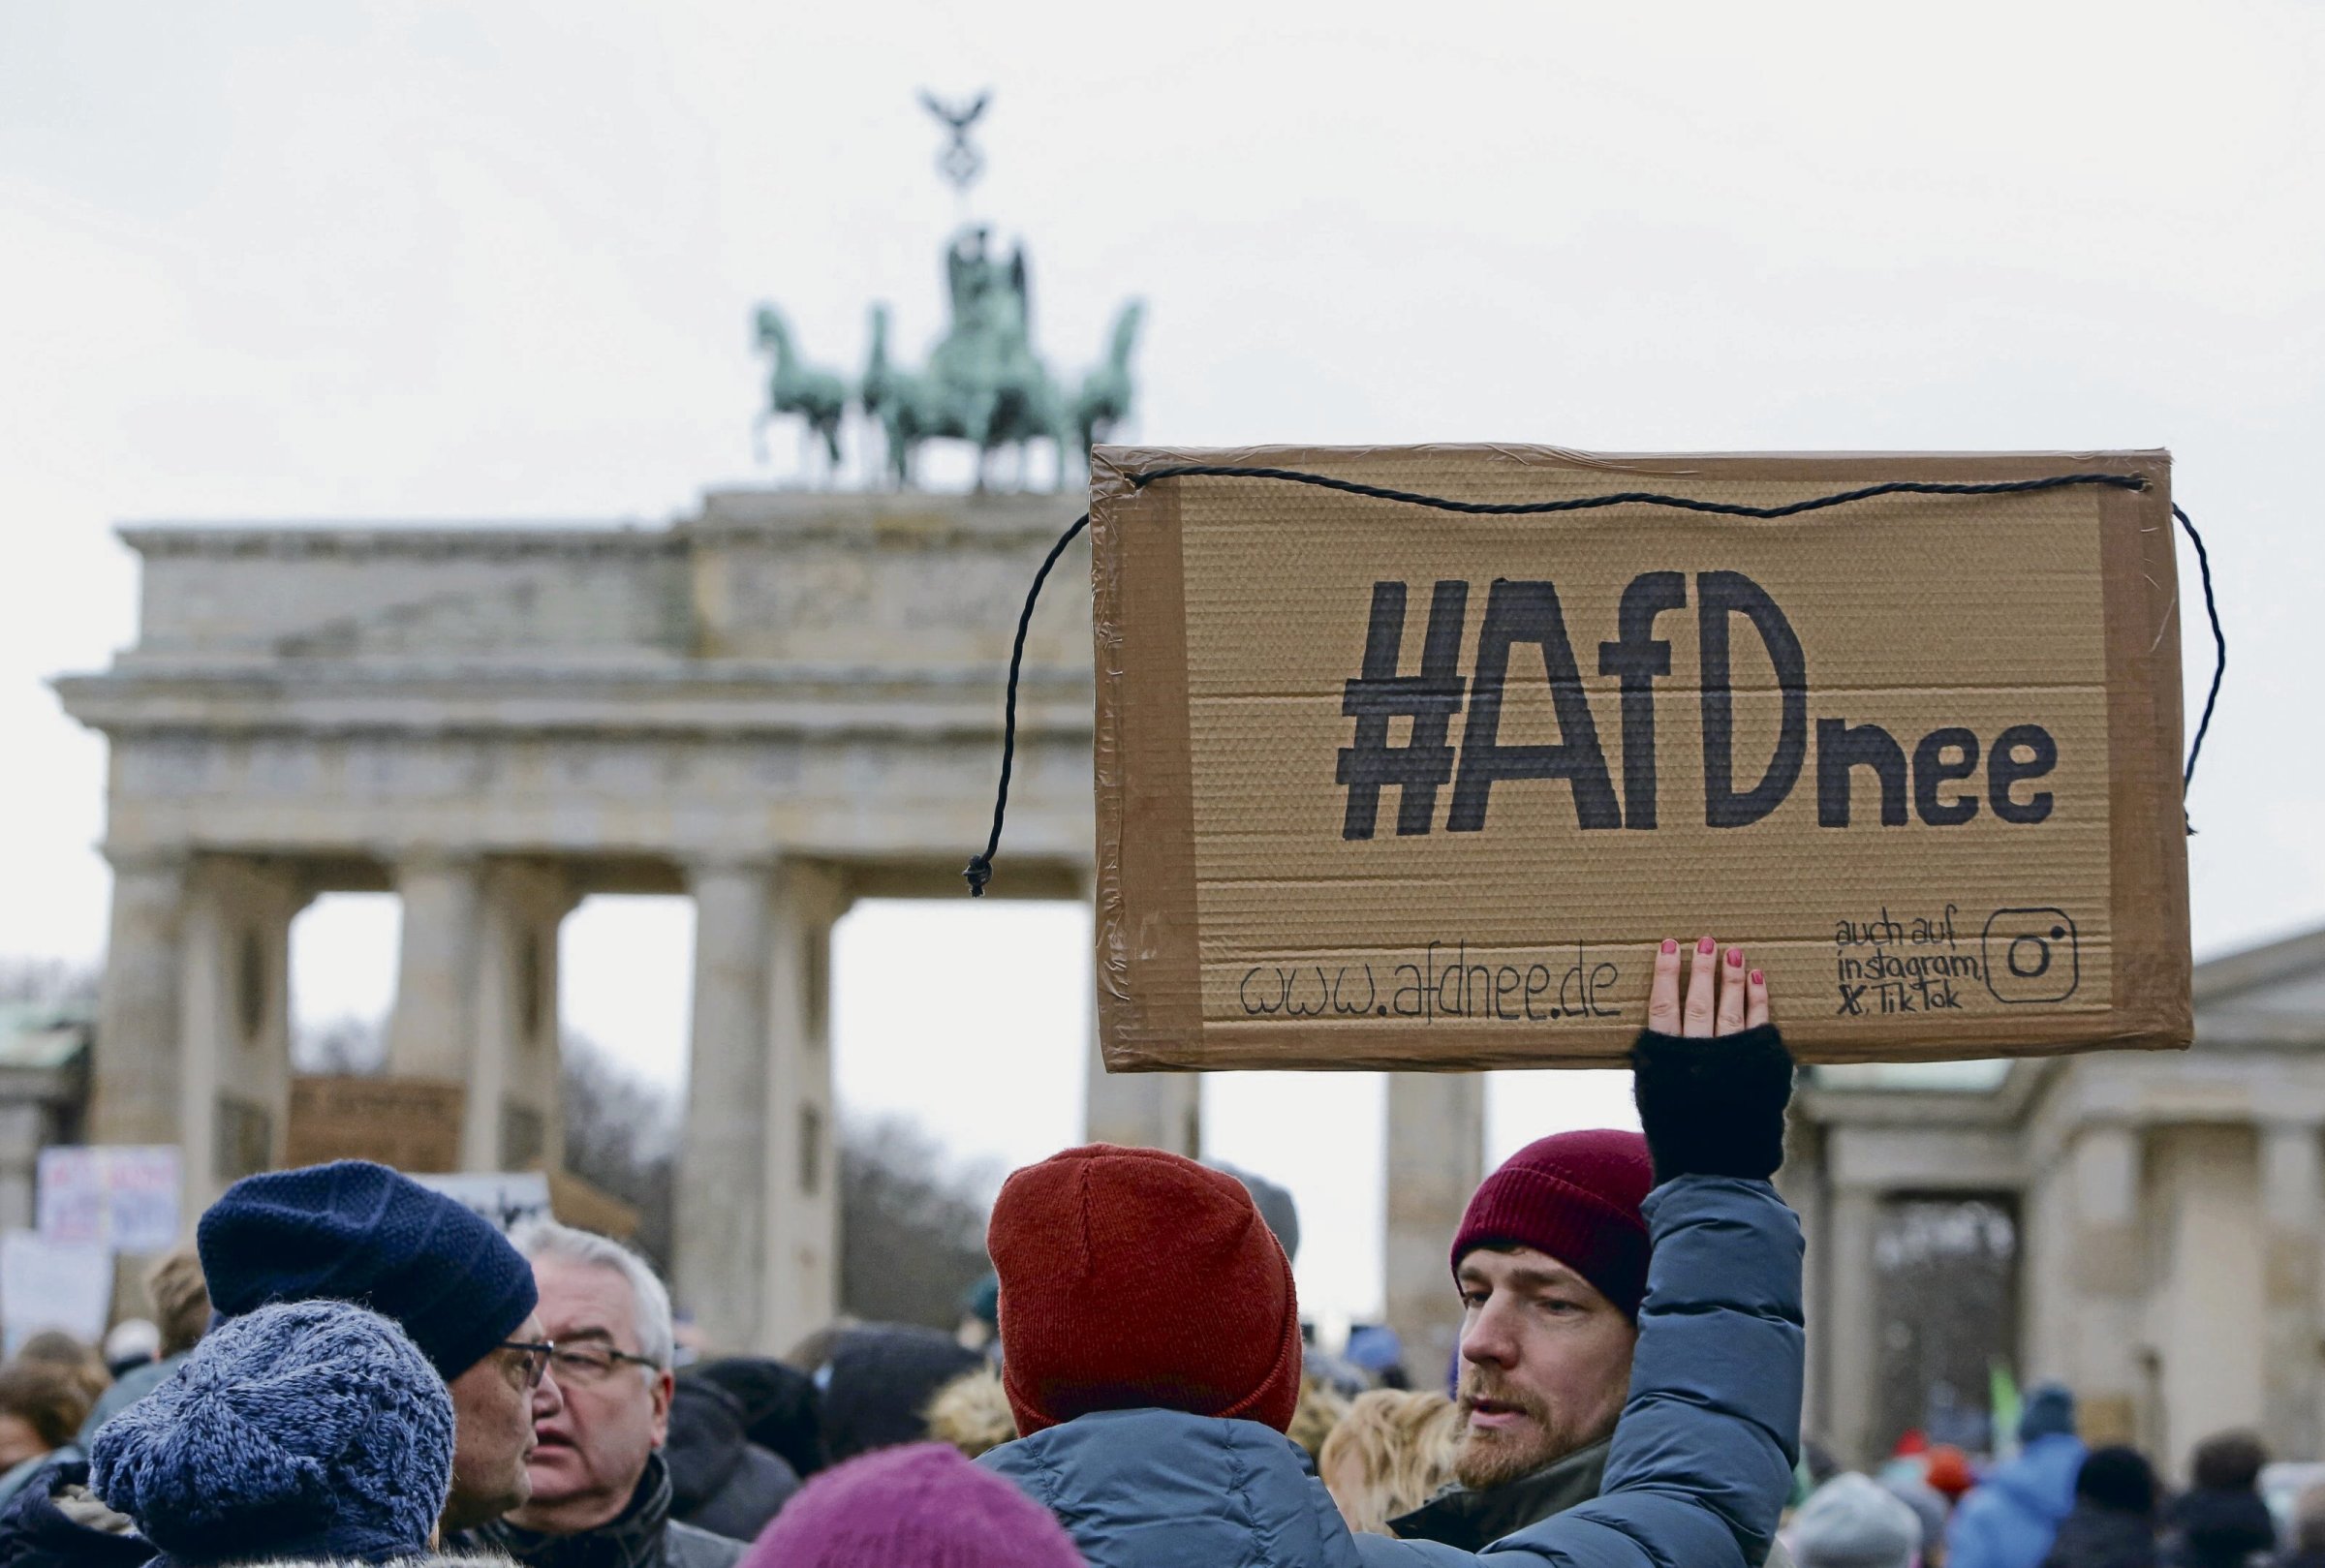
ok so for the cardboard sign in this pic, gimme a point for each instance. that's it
(1387, 786)
(505, 1198)
(118, 1196)
(409, 1123)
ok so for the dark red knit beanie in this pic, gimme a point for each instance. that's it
(1132, 1277)
(1575, 1196)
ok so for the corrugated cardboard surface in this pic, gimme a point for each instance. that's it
(409, 1123)
(1239, 925)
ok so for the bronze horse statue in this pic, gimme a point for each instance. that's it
(794, 387)
(1104, 400)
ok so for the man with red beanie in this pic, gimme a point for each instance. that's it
(1551, 1263)
(1151, 1340)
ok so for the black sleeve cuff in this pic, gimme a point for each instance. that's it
(1712, 1107)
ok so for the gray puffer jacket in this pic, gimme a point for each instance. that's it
(1159, 1488)
(1698, 1474)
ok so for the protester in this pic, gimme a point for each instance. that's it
(352, 1231)
(77, 1359)
(55, 1522)
(41, 1409)
(308, 1431)
(1949, 1473)
(2308, 1547)
(129, 1345)
(2009, 1518)
(1321, 1408)
(1854, 1522)
(1551, 1263)
(783, 1409)
(599, 1489)
(2112, 1521)
(1931, 1510)
(1276, 1205)
(979, 1324)
(720, 1480)
(972, 1413)
(181, 1304)
(1391, 1454)
(1151, 1341)
(1375, 1350)
(882, 1378)
(918, 1505)
(2221, 1522)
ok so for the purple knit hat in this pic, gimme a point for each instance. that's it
(921, 1504)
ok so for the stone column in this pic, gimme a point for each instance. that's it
(719, 1229)
(1435, 1158)
(431, 1033)
(514, 1119)
(24, 1129)
(2086, 1317)
(757, 1200)
(1150, 1110)
(235, 1029)
(2208, 1310)
(136, 1068)
(2292, 1204)
(1852, 1322)
(800, 1288)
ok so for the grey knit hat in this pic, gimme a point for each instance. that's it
(309, 1430)
(1852, 1521)
(1274, 1202)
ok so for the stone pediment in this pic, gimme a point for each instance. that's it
(918, 589)
(534, 617)
(2268, 998)
(783, 668)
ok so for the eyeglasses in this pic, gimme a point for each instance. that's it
(538, 1356)
(592, 1362)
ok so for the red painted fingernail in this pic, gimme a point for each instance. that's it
(1669, 946)
(1705, 946)
(1757, 978)
(1735, 956)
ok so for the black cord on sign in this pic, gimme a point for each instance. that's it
(1724, 508)
(2220, 650)
(980, 866)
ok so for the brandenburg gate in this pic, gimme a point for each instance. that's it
(784, 703)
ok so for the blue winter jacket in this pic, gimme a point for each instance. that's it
(1700, 1469)
(2011, 1517)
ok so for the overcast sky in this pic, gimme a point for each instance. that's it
(427, 262)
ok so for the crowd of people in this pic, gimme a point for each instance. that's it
(350, 1367)
(2051, 1502)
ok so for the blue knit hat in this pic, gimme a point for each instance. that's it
(2050, 1412)
(310, 1430)
(352, 1231)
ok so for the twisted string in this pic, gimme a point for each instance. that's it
(979, 870)
(1647, 498)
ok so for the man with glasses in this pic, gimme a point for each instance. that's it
(352, 1231)
(599, 1487)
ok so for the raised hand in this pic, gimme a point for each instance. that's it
(1712, 1078)
(1742, 996)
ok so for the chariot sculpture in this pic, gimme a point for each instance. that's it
(983, 382)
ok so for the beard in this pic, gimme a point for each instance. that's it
(1492, 1457)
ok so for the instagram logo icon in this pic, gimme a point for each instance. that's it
(2031, 955)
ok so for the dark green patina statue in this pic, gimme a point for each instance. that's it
(983, 382)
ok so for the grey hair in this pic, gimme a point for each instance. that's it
(541, 1238)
